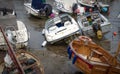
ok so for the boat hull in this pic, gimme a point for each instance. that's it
(88, 30)
(23, 56)
(91, 58)
(60, 28)
(30, 10)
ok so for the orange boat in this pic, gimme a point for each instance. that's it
(90, 58)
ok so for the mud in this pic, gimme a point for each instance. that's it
(54, 57)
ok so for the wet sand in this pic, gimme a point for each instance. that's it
(54, 57)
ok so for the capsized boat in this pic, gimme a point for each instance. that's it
(60, 27)
(93, 4)
(17, 35)
(91, 58)
(92, 22)
(38, 8)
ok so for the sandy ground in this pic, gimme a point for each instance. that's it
(54, 57)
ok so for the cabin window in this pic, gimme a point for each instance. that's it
(59, 24)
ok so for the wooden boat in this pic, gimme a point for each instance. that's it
(29, 63)
(20, 62)
(91, 58)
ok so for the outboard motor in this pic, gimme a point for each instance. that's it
(44, 9)
(97, 30)
(75, 6)
(48, 9)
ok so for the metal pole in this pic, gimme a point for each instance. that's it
(12, 54)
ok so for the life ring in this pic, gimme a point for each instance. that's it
(85, 38)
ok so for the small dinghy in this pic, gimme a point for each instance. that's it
(91, 58)
(30, 64)
(92, 23)
(38, 8)
(92, 4)
(60, 27)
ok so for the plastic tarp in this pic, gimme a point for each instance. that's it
(37, 4)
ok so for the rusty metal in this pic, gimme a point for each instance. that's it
(12, 54)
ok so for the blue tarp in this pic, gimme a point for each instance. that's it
(104, 9)
(37, 4)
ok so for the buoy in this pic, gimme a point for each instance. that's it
(74, 59)
(52, 15)
(90, 9)
(104, 9)
(114, 33)
(99, 34)
(44, 43)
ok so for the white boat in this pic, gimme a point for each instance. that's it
(6, 13)
(38, 9)
(88, 3)
(65, 5)
(17, 35)
(102, 7)
(60, 27)
(87, 21)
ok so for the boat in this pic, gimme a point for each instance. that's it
(38, 8)
(93, 22)
(17, 34)
(19, 62)
(65, 5)
(29, 63)
(94, 5)
(7, 12)
(59, 28)
(91, 58)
